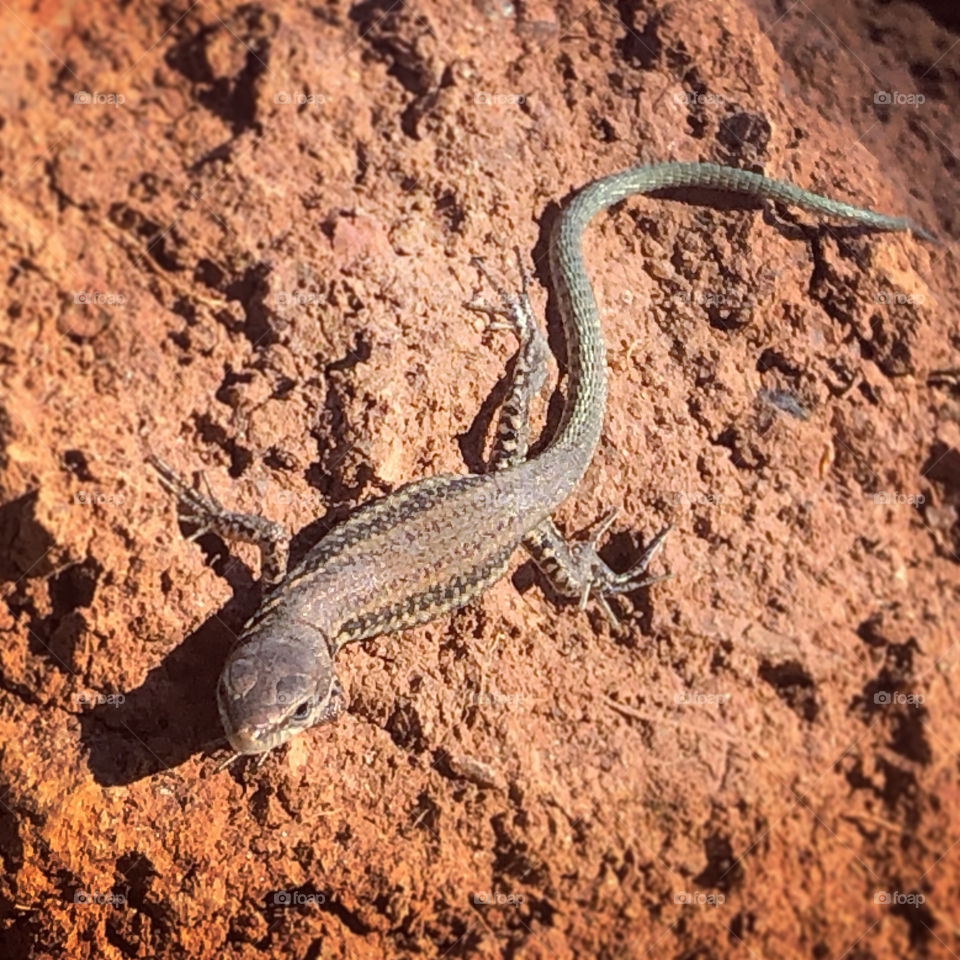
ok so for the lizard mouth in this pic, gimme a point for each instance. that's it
(249, 739)
(255, 740)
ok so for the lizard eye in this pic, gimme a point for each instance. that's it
(302, 712)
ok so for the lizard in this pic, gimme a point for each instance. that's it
(431, 546)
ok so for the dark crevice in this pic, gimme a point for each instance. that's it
(793, 685)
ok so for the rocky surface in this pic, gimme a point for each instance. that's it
(239, 236)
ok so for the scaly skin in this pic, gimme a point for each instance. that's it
(430, 547)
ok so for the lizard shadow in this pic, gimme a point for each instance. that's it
(173, 714)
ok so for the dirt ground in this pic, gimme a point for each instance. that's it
(239, 236)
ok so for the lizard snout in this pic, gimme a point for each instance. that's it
(270, 689)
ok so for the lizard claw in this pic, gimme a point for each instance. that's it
(598, 581)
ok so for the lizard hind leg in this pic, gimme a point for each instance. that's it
(576, 570)
(515, 314)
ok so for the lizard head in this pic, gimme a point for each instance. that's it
(272, 688)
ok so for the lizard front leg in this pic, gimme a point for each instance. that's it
(211, 517)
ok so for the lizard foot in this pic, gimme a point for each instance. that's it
(596, 580)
